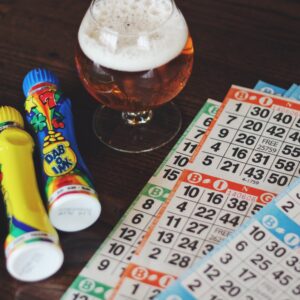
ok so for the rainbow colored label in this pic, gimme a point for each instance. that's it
(49, 114)
(72, 201)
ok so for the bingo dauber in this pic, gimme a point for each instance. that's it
(72, 200)
(32, 246)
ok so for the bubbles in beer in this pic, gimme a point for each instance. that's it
(132, 35)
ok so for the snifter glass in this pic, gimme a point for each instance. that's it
(134, 57)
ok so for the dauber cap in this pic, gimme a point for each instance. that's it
(9, 114)
(37, 76)
(35, 261)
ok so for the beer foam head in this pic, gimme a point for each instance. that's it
(132, 35)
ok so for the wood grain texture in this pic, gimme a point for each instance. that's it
(236, 41)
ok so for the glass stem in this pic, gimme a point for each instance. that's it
(137, 118)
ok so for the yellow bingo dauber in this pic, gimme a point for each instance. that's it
(32, 247)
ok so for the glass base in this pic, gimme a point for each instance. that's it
(158, 128)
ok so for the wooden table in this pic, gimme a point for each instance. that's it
(236, 41)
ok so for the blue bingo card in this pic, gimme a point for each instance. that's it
(261, 260)
(296, 93)
(291, 90)
(269, 88)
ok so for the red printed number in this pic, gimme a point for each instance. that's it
(48, 97)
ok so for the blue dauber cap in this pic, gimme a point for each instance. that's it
(37, 76)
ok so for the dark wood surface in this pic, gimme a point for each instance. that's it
(236, 41)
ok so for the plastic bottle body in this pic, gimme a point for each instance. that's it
(72, 200)
(32, 246)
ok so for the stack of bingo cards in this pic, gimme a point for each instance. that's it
(210, 185)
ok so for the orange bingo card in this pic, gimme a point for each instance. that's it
(201, 211)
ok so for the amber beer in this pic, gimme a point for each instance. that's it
(134, 55)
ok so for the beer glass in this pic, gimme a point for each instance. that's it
(134, 57)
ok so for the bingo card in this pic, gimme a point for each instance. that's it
(248, 155)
